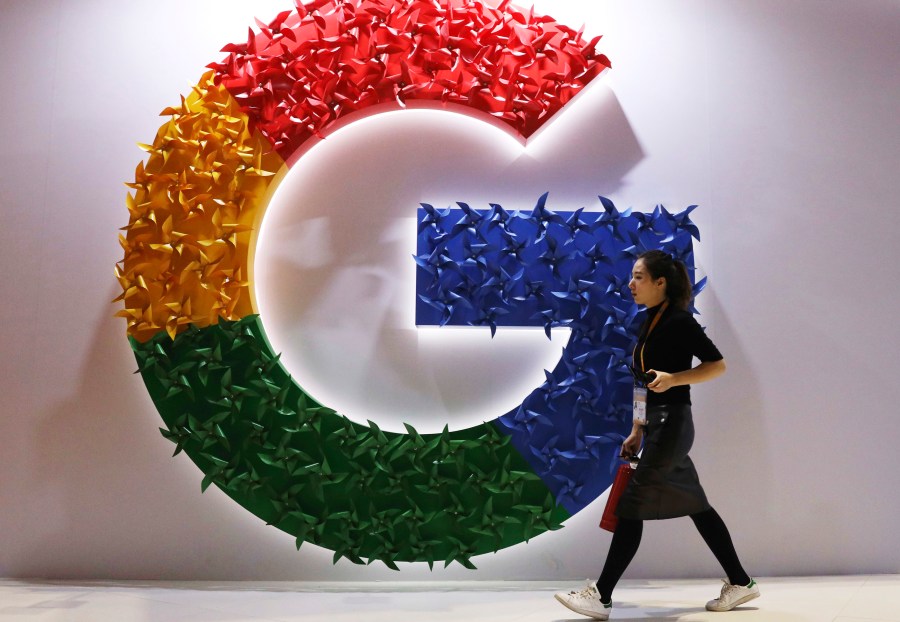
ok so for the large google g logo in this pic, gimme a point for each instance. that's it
(226, 400)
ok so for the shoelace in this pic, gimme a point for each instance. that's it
(585, 592)
(728, 589)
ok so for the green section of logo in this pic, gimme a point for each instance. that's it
(362, 492)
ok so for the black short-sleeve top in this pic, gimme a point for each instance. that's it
(671, 347)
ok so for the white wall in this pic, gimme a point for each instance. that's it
(778, 117)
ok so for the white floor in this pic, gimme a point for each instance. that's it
(819, 599)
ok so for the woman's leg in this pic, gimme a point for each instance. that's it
(715, 534)
(625, 542)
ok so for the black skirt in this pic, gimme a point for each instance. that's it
(665, 483)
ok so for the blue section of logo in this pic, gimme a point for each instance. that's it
(550, 269)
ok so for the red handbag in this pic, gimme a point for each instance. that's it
(623, 476)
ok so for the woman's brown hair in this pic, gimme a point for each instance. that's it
(678, 283)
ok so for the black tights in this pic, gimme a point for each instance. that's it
(627, 539)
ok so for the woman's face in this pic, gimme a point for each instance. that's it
(644, 289)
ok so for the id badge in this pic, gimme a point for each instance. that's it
(640, 405)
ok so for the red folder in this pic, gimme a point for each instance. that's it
(623, 476)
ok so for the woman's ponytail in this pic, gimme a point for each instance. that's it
(678, 283)
(682, 293)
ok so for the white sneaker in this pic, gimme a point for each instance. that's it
(586, 602)
(733, 595)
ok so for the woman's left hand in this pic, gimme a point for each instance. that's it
(663, 381)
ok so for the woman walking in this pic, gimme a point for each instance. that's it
(665, 483)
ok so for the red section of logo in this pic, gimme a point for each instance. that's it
(308, 68)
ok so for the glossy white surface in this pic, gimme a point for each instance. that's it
(794, 599)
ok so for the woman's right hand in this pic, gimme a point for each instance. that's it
(632, 444)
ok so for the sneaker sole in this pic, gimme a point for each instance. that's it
(737, 603)
(584, 612)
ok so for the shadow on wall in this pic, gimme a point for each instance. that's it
(334, 269)
(385, 170)
(733, 444)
